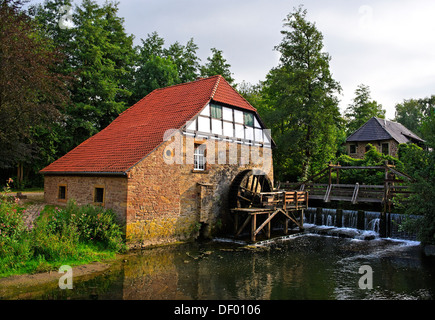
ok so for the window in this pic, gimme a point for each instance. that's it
(385, 148)
(227, 114)
(216, 111)
(199, 157)
(99, 195)
(248, 119)
(352, 148)
(61, 192)
(238, 116)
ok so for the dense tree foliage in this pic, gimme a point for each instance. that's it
(31, 93)
(82, 55)
(362, 109)
(421, 166)
(217, 64)
(413, 112)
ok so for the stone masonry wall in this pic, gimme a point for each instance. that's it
(169, 201)
(205, 194)
(361, 147)
(81, 189)
(153, 214)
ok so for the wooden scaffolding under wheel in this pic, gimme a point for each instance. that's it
(255, 204)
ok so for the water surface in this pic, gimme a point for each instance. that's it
(305, 266)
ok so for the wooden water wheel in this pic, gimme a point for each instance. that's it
(246, 187)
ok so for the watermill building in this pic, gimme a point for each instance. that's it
(166, 164)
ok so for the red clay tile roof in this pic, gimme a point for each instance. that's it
(139, 129)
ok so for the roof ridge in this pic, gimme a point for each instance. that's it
(237, 92)
(215, 86)
(184, 83)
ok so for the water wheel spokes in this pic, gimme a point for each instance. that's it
(246, 188)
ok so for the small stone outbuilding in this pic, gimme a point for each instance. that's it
(165, 165)
(385, 135)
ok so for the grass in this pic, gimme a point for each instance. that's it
(88, 254)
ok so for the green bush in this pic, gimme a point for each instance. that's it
(368, 176)
(54, 242)
(15, 245)
(94, 224)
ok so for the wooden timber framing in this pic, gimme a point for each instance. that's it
(289, 205)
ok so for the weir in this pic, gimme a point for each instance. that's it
(395, 188)
(359, 220)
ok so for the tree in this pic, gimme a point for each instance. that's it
(412, 113)
(103, 56)
(300, 105)
(362, 109)
(100, 57)
(251, 92)
(185, 59)
(422, 201)
(154, 69)
(31, 92)
(217, 64)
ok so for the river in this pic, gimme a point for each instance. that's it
(303, 266)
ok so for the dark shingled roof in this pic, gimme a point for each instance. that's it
(380, 129)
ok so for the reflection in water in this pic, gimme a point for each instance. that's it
(302, 267)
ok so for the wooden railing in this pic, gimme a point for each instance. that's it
(287, 200)
(391, 189)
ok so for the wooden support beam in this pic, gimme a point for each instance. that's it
(244, 225)
(267, 221)
(253, 226)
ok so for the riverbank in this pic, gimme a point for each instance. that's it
(24, 286)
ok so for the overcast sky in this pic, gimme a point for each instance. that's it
(388, 45)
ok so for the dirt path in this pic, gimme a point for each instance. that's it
(34, 204)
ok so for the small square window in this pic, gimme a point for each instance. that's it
(61, 192)
(352, 148)
(99, 195)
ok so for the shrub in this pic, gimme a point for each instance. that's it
(54, 242)
(369, 176)
(15, 245)
(93, 224)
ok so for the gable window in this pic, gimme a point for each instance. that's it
(352, 148)
(248, 119)
(385, 148)
(61, 192)
(199, 157)
(216, 111)
(99, 195)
